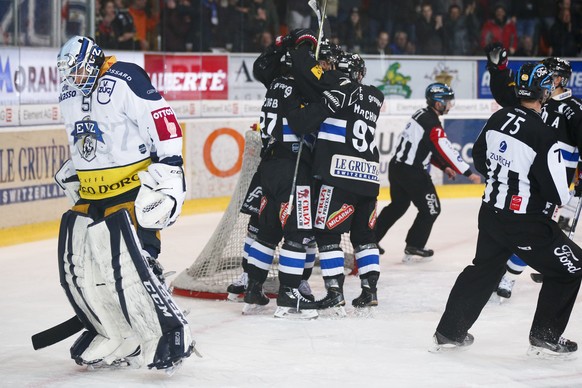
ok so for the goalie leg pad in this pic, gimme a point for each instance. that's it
(143, 299)
(83, 284)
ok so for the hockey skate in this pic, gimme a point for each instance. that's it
(237, 289)
(417, 255)
(563, 349)
(305, 290)
(368, 297)
(334, 300)
(505, 286)
(292, 305)
(255, 299)
(444, 344)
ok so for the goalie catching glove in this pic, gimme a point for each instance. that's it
(160, 198)
(68, 181)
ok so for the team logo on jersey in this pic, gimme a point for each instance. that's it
(166, 124)
(503, 147)
(105, 90)
(340, 216)
(515, 203)
(325, 195)
(303, 201)
(86, 135)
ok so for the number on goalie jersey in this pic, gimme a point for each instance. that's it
(125, 168)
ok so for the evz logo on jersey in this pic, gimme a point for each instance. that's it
(325, 194)
(105, 90)
(303, 200)
(86, 134)
(166, 124)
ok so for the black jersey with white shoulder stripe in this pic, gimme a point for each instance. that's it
(424, 141)
(346, 153)
(521, 162)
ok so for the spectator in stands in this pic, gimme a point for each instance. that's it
(405, 17)
(232, 19)
(298, 14)
(381, 47)
(563, 36)
(401, 45)
(105, 34)
(262, 16)
(266, 39)
(500, 29)
(380, 18)
(123, 26)
(175, 26)
(354, 32)
(526, 47)
(146, 19)
(527, 19)
(429, 32)
(461, 31)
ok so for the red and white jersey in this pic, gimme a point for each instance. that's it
(424, 141)
(117, 130)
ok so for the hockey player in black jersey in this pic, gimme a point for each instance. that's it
(422, 141)
(287, 120)
(525, 178)
(346, 161)
(562, 113)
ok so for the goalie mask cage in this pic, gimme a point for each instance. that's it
(219, 263)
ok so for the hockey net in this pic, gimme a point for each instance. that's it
(219, 263)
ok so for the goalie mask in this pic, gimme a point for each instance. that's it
(79, 62)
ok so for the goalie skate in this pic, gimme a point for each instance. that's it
(417, 255)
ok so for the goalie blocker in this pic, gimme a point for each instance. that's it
(129, 315)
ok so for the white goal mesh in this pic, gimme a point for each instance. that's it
(219, 263)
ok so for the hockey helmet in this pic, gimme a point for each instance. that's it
(559, 67)
(329, 52)
(353, 65)
(439, 92)
(79, 62)
(533, 81)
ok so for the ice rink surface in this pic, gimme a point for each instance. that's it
(387, 349)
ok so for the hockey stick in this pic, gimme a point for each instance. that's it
(538, 277)
(320, 18)
(56, 333)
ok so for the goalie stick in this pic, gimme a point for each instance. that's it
(538, 277)
(57, 333)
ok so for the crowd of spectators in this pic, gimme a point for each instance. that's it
(384, 27)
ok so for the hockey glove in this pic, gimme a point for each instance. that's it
(296, 38)
(68, 181)
(496, 56)
(161, 196)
